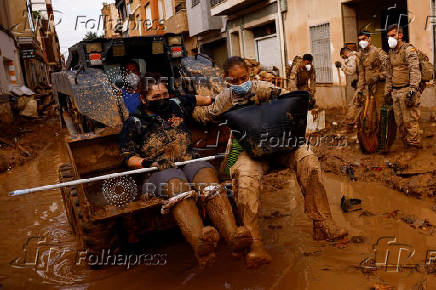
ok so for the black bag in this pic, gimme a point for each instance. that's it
(277, 126)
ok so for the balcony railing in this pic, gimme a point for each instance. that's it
(214, 3)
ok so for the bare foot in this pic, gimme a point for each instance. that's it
(327, 230)
(257, 256)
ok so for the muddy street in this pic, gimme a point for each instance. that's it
(39, 250)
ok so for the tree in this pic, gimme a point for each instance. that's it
(90, 36)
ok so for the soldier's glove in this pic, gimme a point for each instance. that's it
(388, 99)
(338, 64)
(410, 99)
(360, 99)
(164, 164)
(261, 94)
(354, 84)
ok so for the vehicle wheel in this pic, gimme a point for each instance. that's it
(94, 235)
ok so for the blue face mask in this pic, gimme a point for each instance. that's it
(242, 89)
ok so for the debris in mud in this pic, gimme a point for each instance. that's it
(349, 170)
(357, 239)
(350, 204)
(423, 225)
(312, 253)
(383, 287)
(366, 213)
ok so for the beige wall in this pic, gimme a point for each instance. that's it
(421, 38)
(303, 14)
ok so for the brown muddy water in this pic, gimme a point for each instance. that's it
(38, 250)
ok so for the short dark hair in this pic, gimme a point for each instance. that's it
(344, 49)
(365, 33)
(231, 62)
(396, 27)
(308, 57)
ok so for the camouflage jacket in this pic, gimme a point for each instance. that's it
(226, 100)
(158, 137)
(302, 79)
(351, 67)
(373, 65)
(404, 68)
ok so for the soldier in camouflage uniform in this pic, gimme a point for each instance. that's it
(350, 68)
(156, 135)
(373, 63)
(404, 85)
(247, 173)
(302, 76)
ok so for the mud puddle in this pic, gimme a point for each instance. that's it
(39, 251)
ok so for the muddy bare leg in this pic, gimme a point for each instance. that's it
(202, 239)
(220, 211)
(247, 175)
(316, 205)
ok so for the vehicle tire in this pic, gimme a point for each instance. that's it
(95, 236)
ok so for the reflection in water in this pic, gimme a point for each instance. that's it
(299, 262)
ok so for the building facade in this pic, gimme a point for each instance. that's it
(323, 27)
(254, 30)
(207, 29)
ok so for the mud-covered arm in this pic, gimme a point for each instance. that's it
(312, 85)
(293, 78)
(388, 85)
(128, 149)
(384, 63)
(350, 66)
(414, 70)
(203, 100)
(205, 114)
(361, 83)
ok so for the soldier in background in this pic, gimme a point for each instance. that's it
(350, 68)
(302, 76)
(404, 85)
(373, 63)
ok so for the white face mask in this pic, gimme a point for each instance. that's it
(363, 44)
(308, 67)
(290, 62)
(392, 42)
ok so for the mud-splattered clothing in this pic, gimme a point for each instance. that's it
(302, 79)
(227, 99)
(351, 67)
(247, 173)
(404, 68)
(373, 65)
(158, 137)
(405, 76)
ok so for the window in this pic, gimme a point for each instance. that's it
(320, 46)
(148, 17)
(195, 3)
(160, 8)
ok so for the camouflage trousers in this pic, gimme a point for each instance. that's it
(354, 110)
(247, 175)
(407, 119)
(358, 104)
